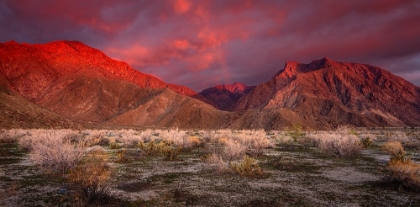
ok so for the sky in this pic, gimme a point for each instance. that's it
(203, 43)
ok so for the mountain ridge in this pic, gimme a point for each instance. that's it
(80, 85)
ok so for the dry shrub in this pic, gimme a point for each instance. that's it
(151, 148)
(121, 156)
(12, 135)
(366, 142)
(340, 145)
(397, 152)
(90, 178)
(114, 145)
(217, 162)
(194, 141)
(51, 155)
(401, 170)
(404, 174)
(170, 152)
(248, 166)
(233, 150)
(296, 132)
(6, 138)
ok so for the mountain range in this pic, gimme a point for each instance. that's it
(69, 84)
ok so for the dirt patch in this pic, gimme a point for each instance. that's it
(350, 175)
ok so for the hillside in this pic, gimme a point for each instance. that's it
(352, 93)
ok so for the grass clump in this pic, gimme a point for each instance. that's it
(247, 167)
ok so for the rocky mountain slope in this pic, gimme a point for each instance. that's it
(225, 96)
(357, 94)
(18, 112)
(80, 83)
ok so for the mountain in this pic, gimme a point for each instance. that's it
(225, 96)
(70, 85)
(81, 84)
(335, 93)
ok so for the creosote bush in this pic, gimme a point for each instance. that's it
(397, 152)
(401, 170)
(248, 166)
(366, 142)
(90, 178)
(296, 132)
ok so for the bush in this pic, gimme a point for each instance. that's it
(366, 142)
(397, 152)
(90, 178)
(295, 132)
(51, 155)
(170, 152)
(233, 150)
(404, 174)
(340, 145)
(114, 145)
(401, 170)
(247, 167)
(122, 158)
(216, 161)
(151, 148)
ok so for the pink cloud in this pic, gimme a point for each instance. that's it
(182, 6)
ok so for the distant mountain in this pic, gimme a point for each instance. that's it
(225, 96)
(335, 93)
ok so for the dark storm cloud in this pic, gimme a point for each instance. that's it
(202, 43)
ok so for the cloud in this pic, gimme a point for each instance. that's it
(202, 43)
(182, 6)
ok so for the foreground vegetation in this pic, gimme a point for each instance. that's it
(360, 167)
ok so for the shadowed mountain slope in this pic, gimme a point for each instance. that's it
(225, 96)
